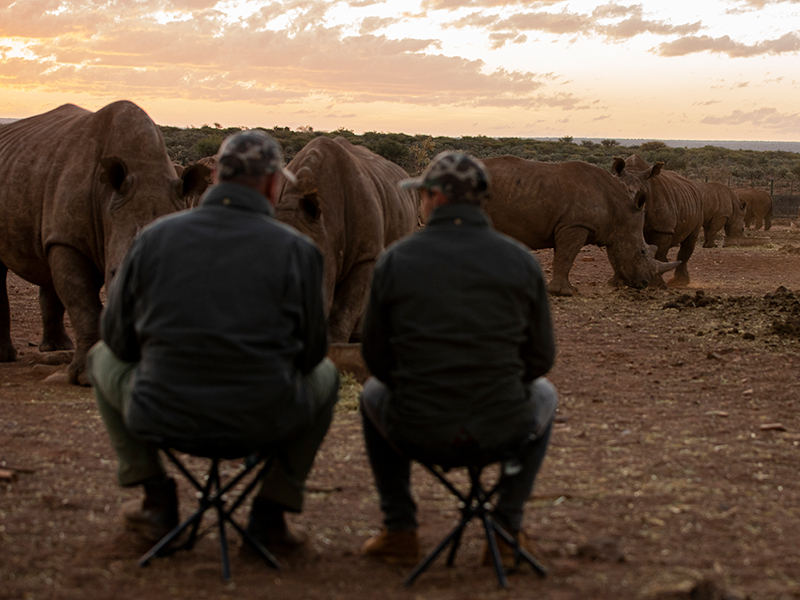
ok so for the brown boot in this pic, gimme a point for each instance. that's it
(506, 551)
(156, 514)
(268, 525)
(394, 547)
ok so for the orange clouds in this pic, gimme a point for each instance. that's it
(446, 60)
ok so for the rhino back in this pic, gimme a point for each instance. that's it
(531, 200)
(55, 193)
(32, 158)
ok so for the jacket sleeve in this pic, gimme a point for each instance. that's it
(315, 325)
(117, 321)
(539, 349)
(376, 330)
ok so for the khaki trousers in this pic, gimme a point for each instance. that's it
(138, 460)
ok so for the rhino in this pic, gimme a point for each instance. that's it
(566, 206)
(674, 215)
(758, 206)
(722, 208)
(347, 200)
(77, 187)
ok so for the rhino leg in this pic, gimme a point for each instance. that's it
(568, 242)
(710, 232)
(7, 351)
(349, 302)
(77, 282)
(54, 335)
(681, 276)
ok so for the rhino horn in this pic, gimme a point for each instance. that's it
(663, 267)
(653, 249)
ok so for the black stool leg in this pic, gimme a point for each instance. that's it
(519, 552)
(426, 562)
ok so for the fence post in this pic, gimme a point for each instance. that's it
(771, 187)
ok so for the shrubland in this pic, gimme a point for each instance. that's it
(412, 152)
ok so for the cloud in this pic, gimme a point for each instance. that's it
(208, 57)
(611, 21)
(788, 43)
(766, 118)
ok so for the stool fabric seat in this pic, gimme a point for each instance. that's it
(213, 493)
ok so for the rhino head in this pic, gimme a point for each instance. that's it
(632, 259)
(302, 205)
(734, 226)
(135, 195)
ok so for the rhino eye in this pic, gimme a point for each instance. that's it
(309, 207)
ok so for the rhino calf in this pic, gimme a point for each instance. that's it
(347, 200)
(77, 187)
(566, 206)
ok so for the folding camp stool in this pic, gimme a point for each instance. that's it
(476, 503)
(212, 494)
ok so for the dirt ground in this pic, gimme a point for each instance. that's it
(672, 471)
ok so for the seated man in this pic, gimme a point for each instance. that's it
(214, 332)
(458, 335)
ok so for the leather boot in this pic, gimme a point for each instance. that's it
(394, 547)
(507, 554)
(156, 514)
(268, 525)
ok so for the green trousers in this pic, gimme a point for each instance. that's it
(138, 461)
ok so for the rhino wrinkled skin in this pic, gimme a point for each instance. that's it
(674, 214)
(758, 207)
(347, 200)
(566, 206)
(77, 187)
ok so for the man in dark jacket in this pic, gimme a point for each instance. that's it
(458, 335)
(214, 332)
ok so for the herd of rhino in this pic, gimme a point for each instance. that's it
(79, 185)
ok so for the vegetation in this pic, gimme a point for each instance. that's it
(737, 168)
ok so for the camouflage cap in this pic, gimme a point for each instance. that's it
(460, 177)
(251, 152)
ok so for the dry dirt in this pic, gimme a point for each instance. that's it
(672, 471)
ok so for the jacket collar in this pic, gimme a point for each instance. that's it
(459, 214)
(238, 196)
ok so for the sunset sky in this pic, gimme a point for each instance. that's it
(721, 70)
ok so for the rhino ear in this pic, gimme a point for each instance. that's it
(115, 172)
(618, 165)
(194, 180)
(655, 169)
(309, 203)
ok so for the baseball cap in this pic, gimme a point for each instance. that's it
(458, 176)
(252, 152)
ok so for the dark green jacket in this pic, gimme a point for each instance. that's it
(222, 308)
(458, 321)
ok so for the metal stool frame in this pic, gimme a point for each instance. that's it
(212, 494)
(476, 503)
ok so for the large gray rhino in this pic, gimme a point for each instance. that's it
(77, 187)
(566, 206)
(758, 207)
(347, 200)
(721, 209)
(674, 214)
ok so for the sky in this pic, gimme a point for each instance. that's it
(693, 70)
